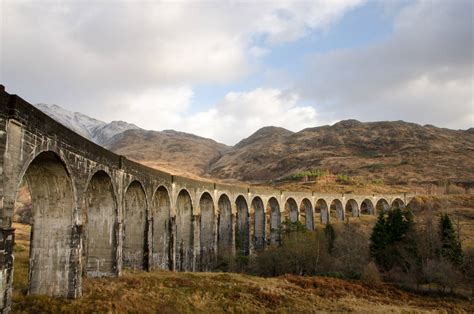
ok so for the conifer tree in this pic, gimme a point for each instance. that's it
(450, 244)
(379, 239)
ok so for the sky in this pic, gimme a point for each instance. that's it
(224, 69)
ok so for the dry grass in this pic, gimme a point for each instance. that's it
(169, 292)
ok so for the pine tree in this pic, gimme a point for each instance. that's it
(450, 244)
(379, 239)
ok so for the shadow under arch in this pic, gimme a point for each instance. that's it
(291, 210)
(160, 210)
(307, 215)
(337, 210)
(242, 234)
(52, 238)
(382, 205)
(100, 234)
(321, 208)
(273, 221)
(367, 207)
(208, 232)
(134, 250)
(352, 208)
(258, 210)
(184, 232)
(224, 235)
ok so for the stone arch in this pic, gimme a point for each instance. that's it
(322, 209)
(273, 221)
(398, 202)
(54, 237)
(258, 211)
(306, 211)
(337, 210)
(100, 245)
(134, 249)
(224, 235)
(382, 205)
(352, 208)
(184, 232)
(291, 210)
(208, 236)
(242, 234)
(160, 215)
(367, 207)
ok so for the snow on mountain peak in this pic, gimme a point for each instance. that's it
(95, 130)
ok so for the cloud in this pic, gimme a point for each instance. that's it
(240, 114)
(423, 72)
(83, 54)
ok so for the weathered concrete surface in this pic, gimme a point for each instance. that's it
(96, 213)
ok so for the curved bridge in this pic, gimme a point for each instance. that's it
(96, 213)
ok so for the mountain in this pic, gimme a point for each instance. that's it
(397, 152)
(393, 152)
(177, 152)
(95, 130)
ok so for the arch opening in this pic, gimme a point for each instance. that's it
(291, 210)
(100, 227)
(184, 232)
(134, 249)
(337, 210)
(224, 236)
(307, 214)
(242, 234)
(52, 219)
(273, 221)
(322, 210)
(259, 223)
(382, 205)
(352, 208)
(398, 203)
(207, 240)
(160, 213)
(367, 207)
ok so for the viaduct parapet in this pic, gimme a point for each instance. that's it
(96, 213)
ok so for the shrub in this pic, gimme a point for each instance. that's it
(371, 274)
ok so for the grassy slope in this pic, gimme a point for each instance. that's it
(142, 292)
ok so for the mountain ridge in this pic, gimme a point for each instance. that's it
(396, 152)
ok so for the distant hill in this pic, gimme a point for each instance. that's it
(395, 152)
(398, 152)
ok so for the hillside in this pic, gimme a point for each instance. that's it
(397, 152)
(393, 154)
(177, 152)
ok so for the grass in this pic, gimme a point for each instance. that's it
(170, 292)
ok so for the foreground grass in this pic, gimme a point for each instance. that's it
(170, 292)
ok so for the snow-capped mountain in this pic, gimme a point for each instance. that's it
(95, 130)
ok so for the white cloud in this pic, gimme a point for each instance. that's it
(91, 55)
(422, 73)
(240, 114)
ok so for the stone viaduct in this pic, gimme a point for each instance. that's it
(96, 213)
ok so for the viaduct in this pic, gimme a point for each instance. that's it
(96, 213)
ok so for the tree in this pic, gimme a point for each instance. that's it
(389, 246)
(379, 239)
(450, 244)
(330, 235)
